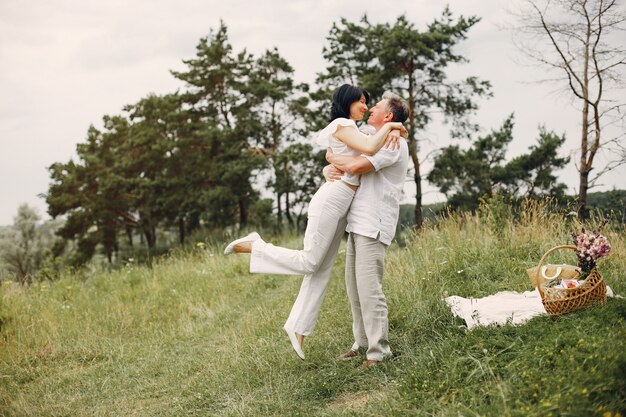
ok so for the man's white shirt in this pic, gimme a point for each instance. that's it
(376, 206)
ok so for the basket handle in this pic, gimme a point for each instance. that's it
(543, 258)
(556, 274)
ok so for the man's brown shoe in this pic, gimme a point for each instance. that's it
(348, 355)
(370, 363)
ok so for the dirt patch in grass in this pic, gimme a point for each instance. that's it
(353, 400)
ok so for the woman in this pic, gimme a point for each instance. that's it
(326, 217)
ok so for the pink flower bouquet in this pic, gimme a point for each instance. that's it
(590, 246)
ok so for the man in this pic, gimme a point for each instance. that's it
(372, 221)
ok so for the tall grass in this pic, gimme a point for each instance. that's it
(196, 335)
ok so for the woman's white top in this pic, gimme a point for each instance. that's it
(327, 139)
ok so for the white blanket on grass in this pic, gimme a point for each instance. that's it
(506, 307)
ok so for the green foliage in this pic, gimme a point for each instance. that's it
(261, 213)
(466, 176)
(609, 204)
(217, 95)
(412, 62)
(196, 335)
(533, 173)
(21, 246)
(277, 122)
(92, 192)
(406, 217)
(27, 248)
(189, 159)
(298, 174)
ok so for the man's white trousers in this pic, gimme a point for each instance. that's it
(365, 264)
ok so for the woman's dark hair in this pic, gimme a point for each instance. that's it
(343, 97)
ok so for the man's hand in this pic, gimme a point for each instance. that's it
(332, 173)
(356, 165)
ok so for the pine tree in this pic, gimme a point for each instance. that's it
(466, 176)
(216, 102)
(412, 63)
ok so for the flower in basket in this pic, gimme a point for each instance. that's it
(590, 246)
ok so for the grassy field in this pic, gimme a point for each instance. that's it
(197, 335)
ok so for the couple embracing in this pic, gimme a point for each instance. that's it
(361, 196)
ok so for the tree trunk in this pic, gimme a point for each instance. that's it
(288, 211)
(129, 234)
(581, 201)
(279, 212)
(150, 235)
(299, 218)
(193, 221)
(419, 220)
(181, 230)
(584, 168)
(243, 213)
(21, 268)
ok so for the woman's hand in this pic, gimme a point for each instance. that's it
(392, 141)
(399, 126)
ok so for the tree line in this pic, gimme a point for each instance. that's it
(199, 158)
(192, 157)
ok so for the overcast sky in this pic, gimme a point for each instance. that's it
(65, 64)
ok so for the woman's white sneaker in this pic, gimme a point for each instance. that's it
(250, 238)
(294, 342)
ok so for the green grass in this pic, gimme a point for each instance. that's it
(197, 335)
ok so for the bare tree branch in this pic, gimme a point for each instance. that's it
(594, 56)
(611, 166)
(579, 42)
(569, 70)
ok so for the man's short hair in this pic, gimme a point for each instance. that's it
(397, 106)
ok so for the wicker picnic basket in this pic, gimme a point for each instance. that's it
(559, 301)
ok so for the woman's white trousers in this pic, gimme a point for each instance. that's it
(325, 228)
